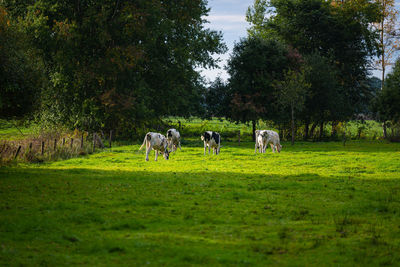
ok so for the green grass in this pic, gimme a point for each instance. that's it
(312, 204)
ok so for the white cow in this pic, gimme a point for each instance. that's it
(211, 139)
(174, 139)
(265, 137)
(155, 141)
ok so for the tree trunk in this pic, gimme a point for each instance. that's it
(321, 130)
(306, 126)
(334, 129)
(292, 125)
(313, 129)
(254, 130)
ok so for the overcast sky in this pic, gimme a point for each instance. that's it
(229, 17)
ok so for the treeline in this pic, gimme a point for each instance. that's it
(305, 64)
(125, 65)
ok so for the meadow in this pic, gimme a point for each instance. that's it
(312, 204)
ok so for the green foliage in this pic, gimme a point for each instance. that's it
(254, 66)
(339, 32)
(118, 64)
(314, 203)
(217, 99)
(19, 77)
(388, 100)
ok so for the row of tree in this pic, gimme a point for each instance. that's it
(123, 65)
(308, 61)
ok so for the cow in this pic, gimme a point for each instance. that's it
(174, 139)
(211, 139)
(265, 137)
(157, 142)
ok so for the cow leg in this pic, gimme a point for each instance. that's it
(148, 149)
(209, 148)
(156, 155)
(255, 148)
(273, 148)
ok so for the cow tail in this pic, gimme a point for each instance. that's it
(144, 141)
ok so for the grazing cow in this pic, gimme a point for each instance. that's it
(174, 139)
(155, 141)
(211, 139)
(265, 137)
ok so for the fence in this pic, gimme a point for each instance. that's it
(52, 147)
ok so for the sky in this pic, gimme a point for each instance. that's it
(229, 17)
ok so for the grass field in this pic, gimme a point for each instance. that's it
(312, 204)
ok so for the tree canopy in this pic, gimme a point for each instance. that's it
(115, 64)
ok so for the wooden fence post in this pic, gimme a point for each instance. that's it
(63, 141)
(42, 148)
(30, 147)
(72, 142)
(55, 145)
(239, 137)
(82, 141)
(110, 138)
(16, 154)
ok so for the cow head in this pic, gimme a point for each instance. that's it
(279, 147)
(166, 154)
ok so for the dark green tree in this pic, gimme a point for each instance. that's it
(253, 67)
(387, 102)
(217, 99)
(339, 31)
(291, 93)
(20, 78)
(119, 64)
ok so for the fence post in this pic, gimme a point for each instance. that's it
(55, 144)
(63, 141)
(72, 142)
(42, 148)
(82, 141)
(239, 137)
(110, 137)
(30, 147)
(16, 154)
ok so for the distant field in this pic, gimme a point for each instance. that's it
(191, 128)
(313, 204)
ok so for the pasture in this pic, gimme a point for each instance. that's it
(312, 204)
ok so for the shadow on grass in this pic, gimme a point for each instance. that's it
(174, 218)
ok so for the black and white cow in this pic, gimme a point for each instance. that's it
(211, 139)
(155, 141)
(265, 137)
(174, 139)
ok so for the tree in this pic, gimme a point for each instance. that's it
(19, 76)
(119, 64)
(339, 32)
(217, 99)
(388, 42)
(253, 67)
(291, 93)
(387, 103)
